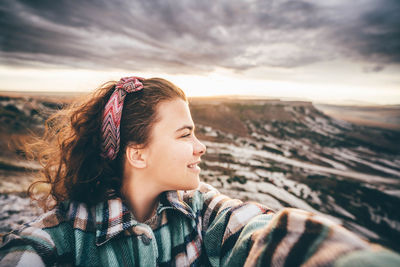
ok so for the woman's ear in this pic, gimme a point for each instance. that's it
(135, 156)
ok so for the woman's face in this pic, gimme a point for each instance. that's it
(174, 152)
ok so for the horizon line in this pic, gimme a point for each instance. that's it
(348, 102)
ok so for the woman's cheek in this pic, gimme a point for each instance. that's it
(189, 148)
(184, 146)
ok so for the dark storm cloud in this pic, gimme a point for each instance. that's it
(373, 34)
(196, 36)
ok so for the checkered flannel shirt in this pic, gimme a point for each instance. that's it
(195, 228)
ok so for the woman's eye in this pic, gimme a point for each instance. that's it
(186, 135)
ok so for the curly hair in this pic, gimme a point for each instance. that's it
(69, 151)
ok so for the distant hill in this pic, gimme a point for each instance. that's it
(386, 117)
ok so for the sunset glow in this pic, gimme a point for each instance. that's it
(214, 84)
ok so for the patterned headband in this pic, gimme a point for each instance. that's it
(112, 115)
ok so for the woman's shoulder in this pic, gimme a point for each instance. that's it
(42, 241)
(202, 195)
(68, 214)
(48, 227)
(33, 243)
(203, 192)
(206, 199)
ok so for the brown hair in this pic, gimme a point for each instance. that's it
(69, 151)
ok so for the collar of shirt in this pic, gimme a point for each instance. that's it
(113, 216)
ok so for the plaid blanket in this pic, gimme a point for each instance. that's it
(194, 228)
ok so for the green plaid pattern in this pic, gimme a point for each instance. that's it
(194, 228)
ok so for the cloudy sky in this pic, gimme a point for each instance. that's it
(331, 50)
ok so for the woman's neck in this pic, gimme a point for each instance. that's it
(142, 197)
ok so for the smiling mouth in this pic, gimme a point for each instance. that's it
(194, 165)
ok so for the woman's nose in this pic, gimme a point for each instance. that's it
(200, 148)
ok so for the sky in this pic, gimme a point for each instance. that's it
(324, 51)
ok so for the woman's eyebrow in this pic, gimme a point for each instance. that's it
(189, 127)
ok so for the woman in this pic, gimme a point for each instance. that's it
(122, 175)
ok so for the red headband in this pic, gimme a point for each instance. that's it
(112, 115)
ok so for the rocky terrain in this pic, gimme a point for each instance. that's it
(279, 153)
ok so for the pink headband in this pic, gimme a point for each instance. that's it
(112, 115)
